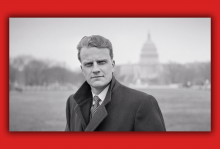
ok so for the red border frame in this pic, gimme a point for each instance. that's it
(170, 8)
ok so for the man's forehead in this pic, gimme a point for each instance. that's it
(88, 49)
(94, 53)
(95, 58)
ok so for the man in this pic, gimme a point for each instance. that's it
(102, 103)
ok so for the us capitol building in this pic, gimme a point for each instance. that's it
(148, 69)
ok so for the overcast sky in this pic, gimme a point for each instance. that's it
(176, 39)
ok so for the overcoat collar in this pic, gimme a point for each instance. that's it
(83, 98)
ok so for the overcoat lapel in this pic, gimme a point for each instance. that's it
(101, 112)
(83, 99)
(99, 116)
(80, 123)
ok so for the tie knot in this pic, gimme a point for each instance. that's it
(96, 99)
(95, 106)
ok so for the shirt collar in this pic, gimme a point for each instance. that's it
(101, 95)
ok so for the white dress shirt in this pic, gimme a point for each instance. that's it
(101, 95)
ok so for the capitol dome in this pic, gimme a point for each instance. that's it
(149, 55)
(147, 71)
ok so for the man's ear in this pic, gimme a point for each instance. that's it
(82, 69)
(113, 63)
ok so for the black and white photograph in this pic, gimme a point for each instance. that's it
(110, 74)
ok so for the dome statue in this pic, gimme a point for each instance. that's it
(149, 55)
(149, 62)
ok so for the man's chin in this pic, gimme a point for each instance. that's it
(98, 84)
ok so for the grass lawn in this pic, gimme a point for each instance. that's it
(183, 109)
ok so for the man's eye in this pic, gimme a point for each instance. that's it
(101, 62)
(88, 64)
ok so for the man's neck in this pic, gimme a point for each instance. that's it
(97, 91)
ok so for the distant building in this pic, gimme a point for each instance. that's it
(147, 70)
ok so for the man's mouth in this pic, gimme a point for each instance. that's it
(96, 77)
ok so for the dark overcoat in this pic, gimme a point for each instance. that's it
(123, 109)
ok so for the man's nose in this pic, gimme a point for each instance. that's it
(95, 68)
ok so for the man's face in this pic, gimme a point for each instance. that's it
(97, 66)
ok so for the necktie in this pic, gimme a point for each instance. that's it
(96, 105)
